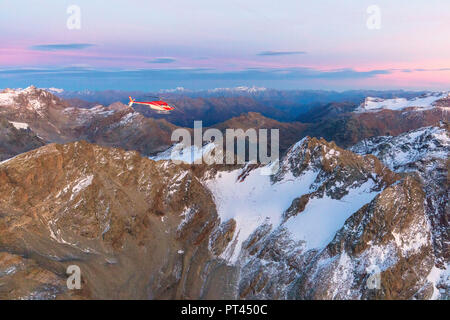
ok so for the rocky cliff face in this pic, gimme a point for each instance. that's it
(423, 153)
(135, 227)
(148, 229)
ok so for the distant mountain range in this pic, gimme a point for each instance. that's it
(55, 119)
(218, 105)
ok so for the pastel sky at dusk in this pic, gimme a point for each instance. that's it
(202, 44)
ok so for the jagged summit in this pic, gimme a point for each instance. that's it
(33, 98)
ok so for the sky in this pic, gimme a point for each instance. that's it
(203, 44)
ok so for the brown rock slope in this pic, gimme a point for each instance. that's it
(136, 228)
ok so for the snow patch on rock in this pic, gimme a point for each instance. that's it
(81, 184)
(19, 125)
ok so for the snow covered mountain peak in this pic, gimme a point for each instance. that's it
(423, 102)
(240, 89)
(10, 96)
(31, 102)
(416, 145)
(315, 175)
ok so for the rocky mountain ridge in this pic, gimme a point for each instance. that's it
(148, 229)
(423, 153)
(56, 120)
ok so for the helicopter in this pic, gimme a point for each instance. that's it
(159, 105)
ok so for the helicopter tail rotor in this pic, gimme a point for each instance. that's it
(131, 102)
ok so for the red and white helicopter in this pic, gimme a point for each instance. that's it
(158, 105)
